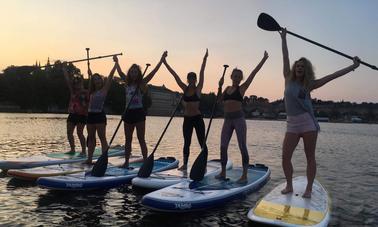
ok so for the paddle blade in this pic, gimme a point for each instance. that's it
(268, 23)
(146, 169)
(199, 166)
(100, 166)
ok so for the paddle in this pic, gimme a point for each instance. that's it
(80, 60)
(199, 166)
(268, 23)
(146, 168)
(89, 87)
(101, 164)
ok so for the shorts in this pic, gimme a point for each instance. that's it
(77, 119)
(300, 123)
(96, 118)
(133, 116)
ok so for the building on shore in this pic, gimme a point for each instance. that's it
(164, 101)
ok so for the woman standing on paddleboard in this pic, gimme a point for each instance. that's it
(135, 116)
(96, 122)
(192, 114)
(77, 109)
(301, 122)
(232, 98)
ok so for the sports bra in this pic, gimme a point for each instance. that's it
(192, 98)
(233, 96)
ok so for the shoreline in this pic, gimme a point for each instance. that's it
(181, 116)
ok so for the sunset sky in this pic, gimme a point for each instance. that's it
(33, 30)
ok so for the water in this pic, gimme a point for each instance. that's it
(346, 155)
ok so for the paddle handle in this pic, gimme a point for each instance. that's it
(87, 49)
(330, 49)
(145, 69)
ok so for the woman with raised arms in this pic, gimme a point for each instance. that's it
(232, 98)
(301, 122)
(191, 102)
(96, 122)
(135, 116)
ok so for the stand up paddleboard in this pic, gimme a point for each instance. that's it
(32, 174)
(292, 209)
(114, 177)
(53, 159)
(190, 196)
(170, 177)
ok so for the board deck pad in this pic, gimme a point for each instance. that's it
(166, 178)
(292, 209)
(190, 196)
(33, 174)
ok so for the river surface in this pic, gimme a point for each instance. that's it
(347, 161)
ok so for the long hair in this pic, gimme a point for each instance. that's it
(93, 87)
(309, 74)
(138, 81)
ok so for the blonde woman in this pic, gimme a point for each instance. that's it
(301, 122)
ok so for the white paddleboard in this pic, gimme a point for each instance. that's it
(166, 178)
(292, 209)
(32, 174)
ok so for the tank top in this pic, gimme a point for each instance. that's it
(298, 101)
(233, 96)
(96, 102)
(137, 101)
(79, 103)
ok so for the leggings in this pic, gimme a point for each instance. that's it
(187, 129)
(240, 126)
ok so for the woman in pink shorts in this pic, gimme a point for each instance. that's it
(301, 122)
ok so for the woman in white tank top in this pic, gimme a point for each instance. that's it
(96, 122)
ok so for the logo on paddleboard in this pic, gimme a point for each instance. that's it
(74, 185)
(183, 206)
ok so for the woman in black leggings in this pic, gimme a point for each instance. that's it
(191, 103)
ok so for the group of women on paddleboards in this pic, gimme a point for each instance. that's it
(87, 107)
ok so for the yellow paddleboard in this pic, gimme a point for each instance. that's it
(292, 209)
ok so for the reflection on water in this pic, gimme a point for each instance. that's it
(347, 167)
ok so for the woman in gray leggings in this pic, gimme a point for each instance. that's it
(232, 98)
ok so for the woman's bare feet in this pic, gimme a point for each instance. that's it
(307, 193)
(88, 162)
(221, 176)
(242, 180)
(287, 190)
(183, 168)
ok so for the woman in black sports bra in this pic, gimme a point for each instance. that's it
(191, 103)
(234, 117)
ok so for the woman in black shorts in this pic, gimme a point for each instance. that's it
(77, 109)
(98, 89)
(135, 117)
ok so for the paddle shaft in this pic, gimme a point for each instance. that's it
(166, 127)
(213, 110)
(85, 59)
(87, 49)
(330, 49)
